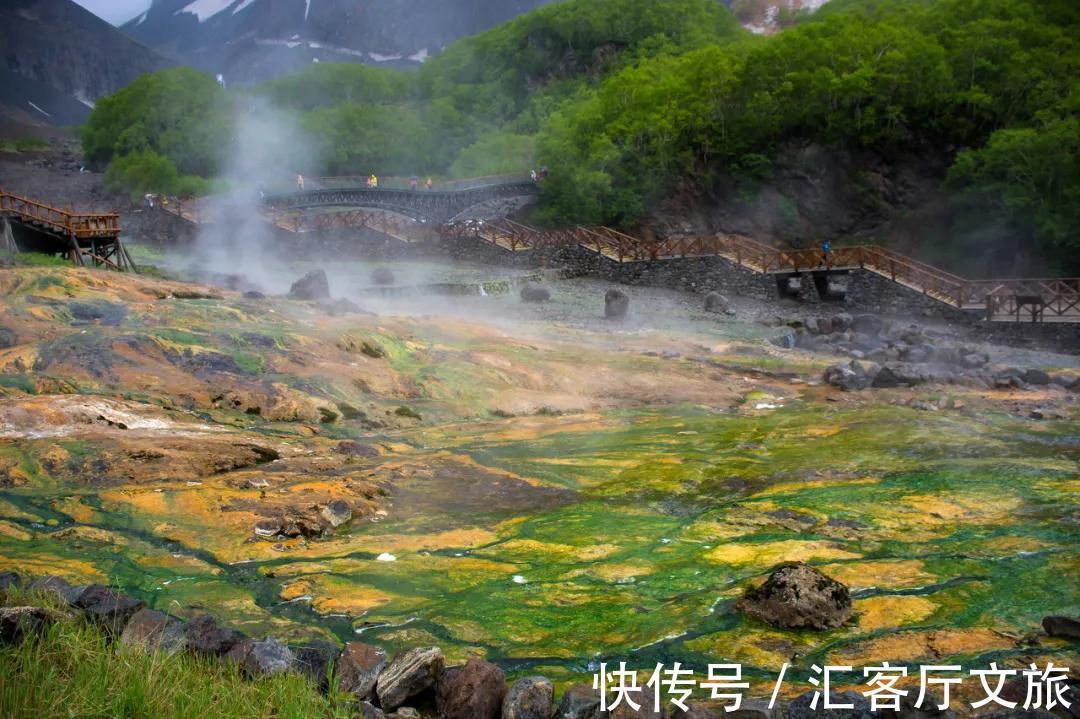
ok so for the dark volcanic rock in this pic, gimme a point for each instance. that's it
(529, 698)
(716, 302)
(356, 449)
(533, 292)
(267, 658)
(474, 691)
(800, 707)
(9, 580)
(312, 286)
(797, 596)
(646, 701)
(108, 608)
(358, 669)
(1058, 626)
(154, 631)
(696, 711)
(315, 660)
(382, 276)
(337, 512)
(369, 711)
(409, 674)
(580, 701)
(205, 636)
(16, 623)
(867, 324)
(616, 304)
(342, 306)
(57, 586)
(1036, 377)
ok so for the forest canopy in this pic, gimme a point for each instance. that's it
(625, 100)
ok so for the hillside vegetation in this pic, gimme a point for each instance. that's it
(626, 100)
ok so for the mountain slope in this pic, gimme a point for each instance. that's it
(252, 40)
(58, 48)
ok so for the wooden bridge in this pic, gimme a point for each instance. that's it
(30, 226)
(1015, 300)
(433, 206)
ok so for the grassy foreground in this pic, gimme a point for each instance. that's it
(72, 670)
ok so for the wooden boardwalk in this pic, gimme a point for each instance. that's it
(36, 227)
(1001, 300)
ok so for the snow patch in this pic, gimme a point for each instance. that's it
(205, 9)
(383, 58)
(307, 10)
(419, 56)
(141, 19)
(39, 109)
(241, 6)
(385, 557)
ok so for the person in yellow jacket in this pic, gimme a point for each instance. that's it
(373, 181)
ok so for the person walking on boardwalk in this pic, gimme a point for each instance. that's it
(413, 182)
(826, 248)
(429, 184)
(300, 183)
(373, 181)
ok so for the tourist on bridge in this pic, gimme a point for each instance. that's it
(429, 184)
(300, 183)
(532, 174)
(413, 182)
(826, 248)
(373, 181)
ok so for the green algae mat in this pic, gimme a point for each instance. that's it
(549, 541)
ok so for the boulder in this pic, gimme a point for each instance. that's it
(405, 713)
(9, 580)
(1035, 377)
(205, 636)
(358, 669)
(312, 286)
(382, 276)
(267, 658)
(1059, 626)
(580, 701)
(16, 623)
(842, 322)
(154, 631)
(885, 378)
(646, 701)
(268, 529)
(974, 360)
(847, 377)
(370, 711)
(474, 691)
(533, 292)
(867, 324)
(316, 660)
(337, 512)
(254, 295)
(529, 698)
(409, 674)
(356, 449)
(107, 608)
(616, 304)
(56, 586)
(342, 306)
(797, 596)
(787, 339)
(716, 302)
(694, 711)
(800, 707)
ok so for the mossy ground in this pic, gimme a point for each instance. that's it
(555, 496)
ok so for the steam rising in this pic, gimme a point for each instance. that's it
(267, 152)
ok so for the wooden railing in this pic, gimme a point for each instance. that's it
(81, 225)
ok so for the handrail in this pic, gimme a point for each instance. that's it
(77, 224)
